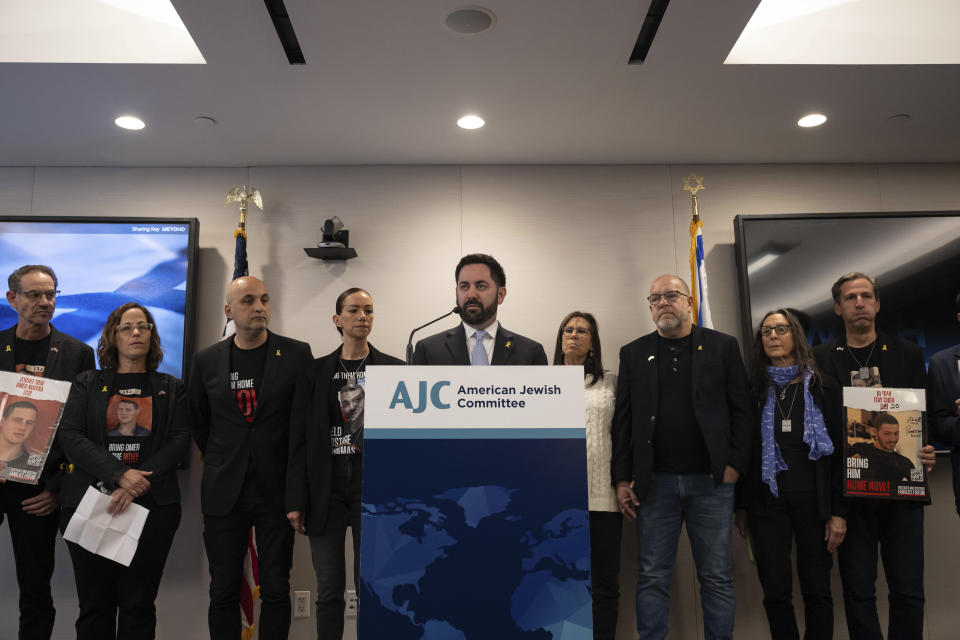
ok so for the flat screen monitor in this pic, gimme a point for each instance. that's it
(791, 261)
(102, 263)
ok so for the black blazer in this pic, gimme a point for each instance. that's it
(309, 474)
(721, 404)
(227, 441)
(82, 436)
(901, 366)
(755, 496)
(67, 357)
(941, 402)
(450, 347)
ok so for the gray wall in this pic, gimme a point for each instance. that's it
(587, 237)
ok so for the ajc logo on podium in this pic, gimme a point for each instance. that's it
(402, 397)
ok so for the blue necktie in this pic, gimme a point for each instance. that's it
(479, 358)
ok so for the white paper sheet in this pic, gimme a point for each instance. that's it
(114, 537)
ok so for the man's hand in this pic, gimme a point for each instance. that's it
(297, 521)
(627, 499)
(119, 501)
(957, 402)
(730, 475)
(135, 482)
(928, 457)
(42, 504)
(834, 533)
(740, 521)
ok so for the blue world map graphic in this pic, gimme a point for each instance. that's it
(446, 556)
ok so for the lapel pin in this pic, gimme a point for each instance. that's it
(839, 348)
(277, 354)
(54, 349)
(8, 349)
(883, 348)
(104, 390)
(699, 347)
(508, 344)
(650, 359)
(161, 392)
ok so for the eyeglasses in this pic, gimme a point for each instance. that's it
(580, 331)
(33, 296)
(670, 296)
(142, 327)
(781, 329)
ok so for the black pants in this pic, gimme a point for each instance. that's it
(118, 601)
(898, 529)
(605, 531)
(794, 516)
(33, 540)
(327, 548)
(225, 538)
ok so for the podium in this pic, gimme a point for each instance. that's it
(474, 522)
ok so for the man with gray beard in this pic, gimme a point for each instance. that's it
(681, 438)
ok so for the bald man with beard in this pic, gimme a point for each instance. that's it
(244, 394)
(681, 438)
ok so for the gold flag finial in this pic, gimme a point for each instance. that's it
(694, 183)
(241, 195)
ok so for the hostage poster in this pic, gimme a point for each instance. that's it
(885, 430)
(30, 409)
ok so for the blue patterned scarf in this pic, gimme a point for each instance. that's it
(814, 430)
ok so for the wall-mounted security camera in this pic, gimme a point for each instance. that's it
(335, 243)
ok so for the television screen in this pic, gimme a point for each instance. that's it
(792, 261)
(102, 263)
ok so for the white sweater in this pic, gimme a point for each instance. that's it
(600, 400)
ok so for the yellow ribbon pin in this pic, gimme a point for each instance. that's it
(8, 349)
(278, 353)
(508, 344)
(104, 390)
(883, 348)
(699, 347)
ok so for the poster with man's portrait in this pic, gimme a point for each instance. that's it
(30, 410)
(885, 429)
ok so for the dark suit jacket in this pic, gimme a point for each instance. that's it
(67, 357)
(227, 441)
(721, 404)
(309, 474)
(85, 445)
(901, 366)
(755, 496)
(944, 391)
(450, 347)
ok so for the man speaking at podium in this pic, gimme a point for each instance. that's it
(479, 339)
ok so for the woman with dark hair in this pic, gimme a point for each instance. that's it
(124, 429)
(793, 487)
(329, 492)
(578, 343)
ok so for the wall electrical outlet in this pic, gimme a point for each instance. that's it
(301, 604)
(351, 603)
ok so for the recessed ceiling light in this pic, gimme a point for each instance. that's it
(470, 20)
(812, 120)
(470, 122)
(129, 122)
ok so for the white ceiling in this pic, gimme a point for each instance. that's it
(385, 82)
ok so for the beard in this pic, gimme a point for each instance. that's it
(475, 316)
(669, 322)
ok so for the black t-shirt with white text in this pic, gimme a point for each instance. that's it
(31, 355)
(346, 402)
(246, 377)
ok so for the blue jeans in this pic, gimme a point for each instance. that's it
(708, 512)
